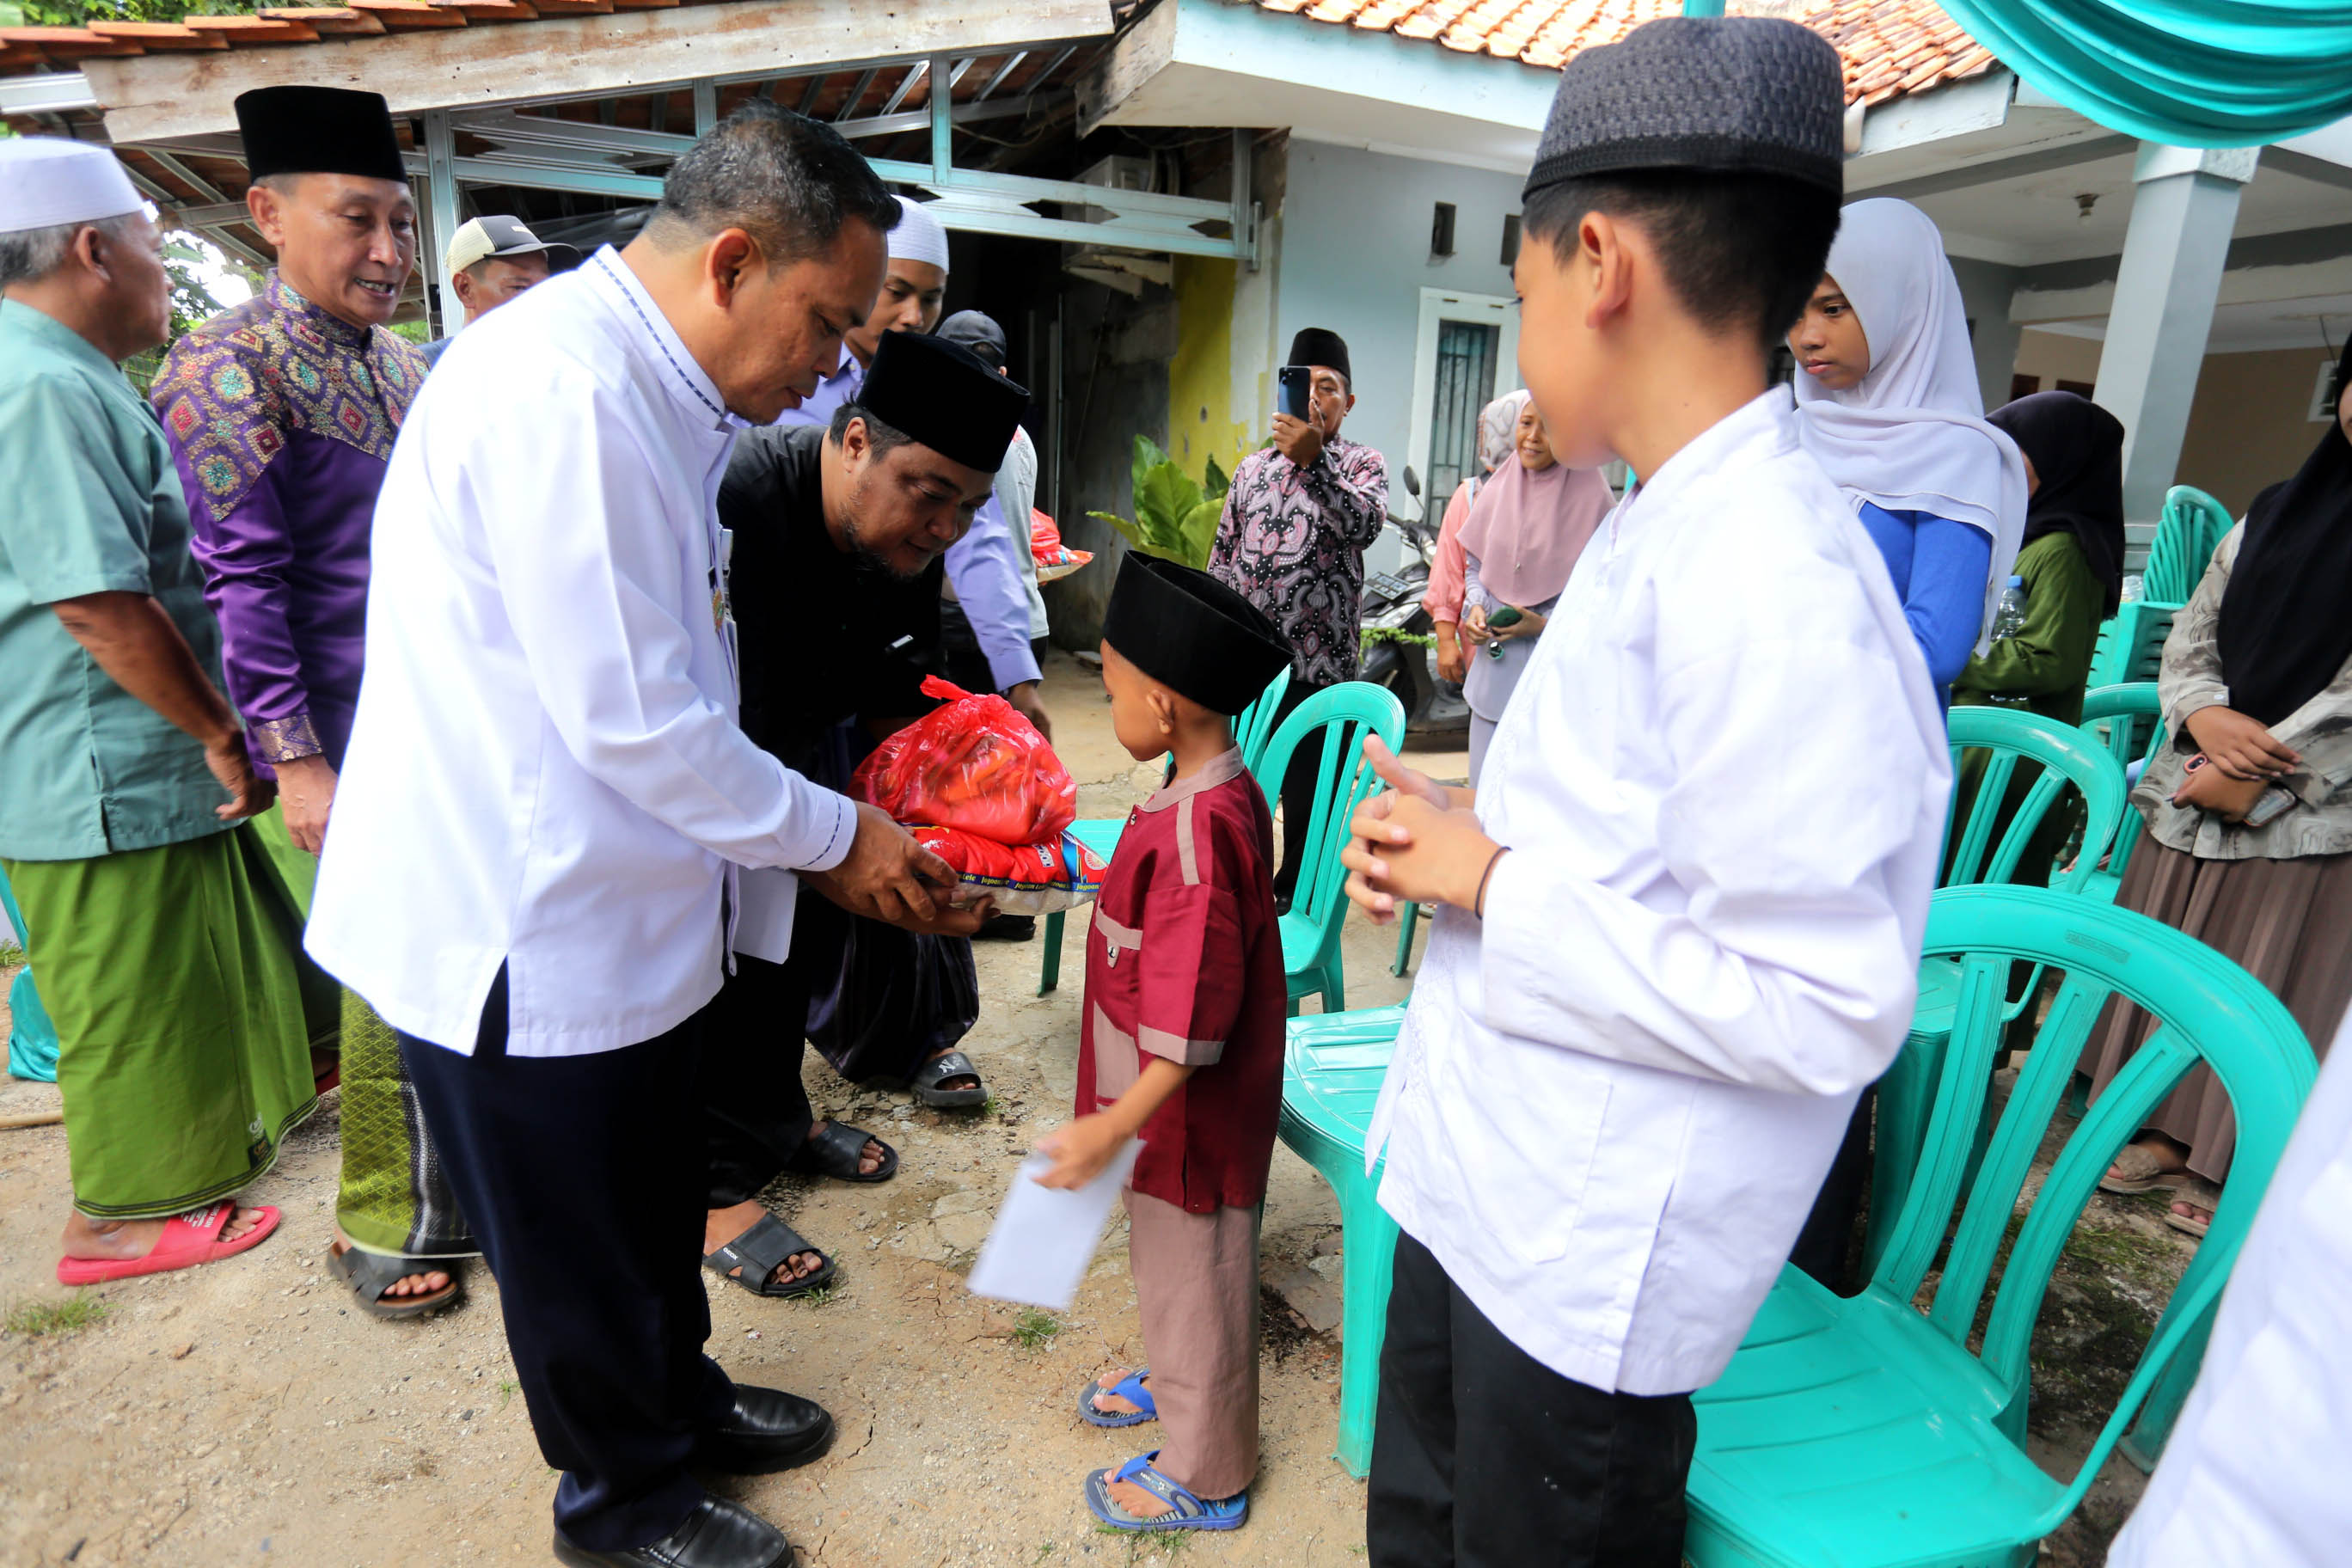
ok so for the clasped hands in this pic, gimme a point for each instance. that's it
(1419, 843)
(1476, 631)
(2241, 759)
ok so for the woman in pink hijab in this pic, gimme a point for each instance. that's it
(1527, 528)
(1499, 425)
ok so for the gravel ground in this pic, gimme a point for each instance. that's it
(247, 1413)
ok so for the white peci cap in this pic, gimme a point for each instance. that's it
(46, 182)
(918, 237)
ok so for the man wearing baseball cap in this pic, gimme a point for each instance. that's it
(491, 260)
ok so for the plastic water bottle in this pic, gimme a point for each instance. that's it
(2132, 585)
(2009, 616)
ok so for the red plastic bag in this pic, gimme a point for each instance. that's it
(1055, 560)
(975, 765)
(1023, 879)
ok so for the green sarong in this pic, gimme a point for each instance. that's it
(175, 978)
(394, 1198)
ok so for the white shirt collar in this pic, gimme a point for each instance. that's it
(1770, 417)
(686, 381)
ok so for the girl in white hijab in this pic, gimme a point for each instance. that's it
(1888, 401)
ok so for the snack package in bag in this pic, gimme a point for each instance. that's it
(1023, 879)
(1055, 560)
(975, 765)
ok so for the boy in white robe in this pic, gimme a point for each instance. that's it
(1683, 909)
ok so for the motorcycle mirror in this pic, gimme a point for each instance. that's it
(1412, 482)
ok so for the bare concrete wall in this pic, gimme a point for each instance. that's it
(1115, 372)
(2249, 426)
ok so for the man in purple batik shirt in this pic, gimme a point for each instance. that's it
(281, 415)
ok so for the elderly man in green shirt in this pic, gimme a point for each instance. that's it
(167, 949)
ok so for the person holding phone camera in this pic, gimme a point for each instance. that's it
(1299, 515)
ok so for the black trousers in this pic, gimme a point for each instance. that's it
(1484, 1458)
(583, 1179)
(756, 1113)
(959, 650)
(1298, 782)
(1825, 1247)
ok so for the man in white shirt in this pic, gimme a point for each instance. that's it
(2253, 1476)
(1684, 907)
(547, 798)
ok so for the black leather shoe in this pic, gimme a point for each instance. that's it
(768, 1430)
(716, 1534)
(1008, 928)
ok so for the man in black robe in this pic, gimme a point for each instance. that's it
(839, 536)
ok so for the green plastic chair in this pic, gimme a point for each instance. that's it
(2129, 721)
(2187, 534)
(1862, 1432)
(1331, 1074)
(1344, 714)
(1253, 727)
(2066, 759)
(2131, 642)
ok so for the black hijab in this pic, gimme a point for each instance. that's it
(2077, 451)
(2286, 615)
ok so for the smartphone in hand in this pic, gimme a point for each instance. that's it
(1293, 389)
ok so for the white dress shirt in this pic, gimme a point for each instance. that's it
(1723, 779)
(1016, 493)
(2253, 1476)
(545, 771)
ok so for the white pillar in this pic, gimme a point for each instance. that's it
(2184, 206)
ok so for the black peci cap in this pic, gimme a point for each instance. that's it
(1193, 634)
(944, 396)
(318, 131)
(1722, 94)
(1320, 345)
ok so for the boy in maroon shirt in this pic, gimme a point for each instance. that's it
(1182, 1043)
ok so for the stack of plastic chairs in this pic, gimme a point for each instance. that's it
(2131, 644)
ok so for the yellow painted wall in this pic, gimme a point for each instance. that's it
(1202, 420)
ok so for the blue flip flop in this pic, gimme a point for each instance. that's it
(1192, 1512)
(1131, 1390)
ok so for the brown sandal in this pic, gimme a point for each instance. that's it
(2137, 1171)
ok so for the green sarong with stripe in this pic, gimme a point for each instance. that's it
(184, 1014)
(395, 1199)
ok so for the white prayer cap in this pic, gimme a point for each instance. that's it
(920, 237)
(46, 182)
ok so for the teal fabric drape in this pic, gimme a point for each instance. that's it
(32, 1039)
(2189, 73)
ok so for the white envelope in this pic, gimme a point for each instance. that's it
(1044, 1237)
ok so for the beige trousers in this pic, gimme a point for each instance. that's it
(1196, 1280)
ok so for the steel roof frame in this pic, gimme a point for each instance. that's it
(541, 152)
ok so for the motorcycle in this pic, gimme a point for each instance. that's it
(1401, 652)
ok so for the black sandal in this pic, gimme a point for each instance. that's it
(371, 1274)
(925, 1084)
(762, 1251)
(837, 1152)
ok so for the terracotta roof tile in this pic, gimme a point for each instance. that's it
(1889, 47)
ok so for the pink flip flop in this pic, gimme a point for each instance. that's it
(187, 1240)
